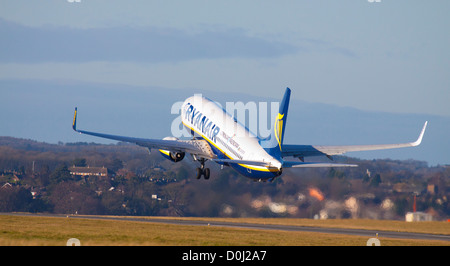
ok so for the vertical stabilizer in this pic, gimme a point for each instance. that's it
(274, 143)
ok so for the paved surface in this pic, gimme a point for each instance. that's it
(342, 231)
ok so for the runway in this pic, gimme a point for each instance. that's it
(255, 226)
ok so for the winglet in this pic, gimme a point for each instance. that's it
(74, 123)
(419, 140)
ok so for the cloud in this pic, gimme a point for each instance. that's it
(324, 46)
(23, 44)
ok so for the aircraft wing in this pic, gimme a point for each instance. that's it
(190, 146)
(302, 151)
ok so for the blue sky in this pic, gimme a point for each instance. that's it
(389, 56)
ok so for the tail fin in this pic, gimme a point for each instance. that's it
(274, 143)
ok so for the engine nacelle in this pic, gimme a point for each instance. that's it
(173, 156)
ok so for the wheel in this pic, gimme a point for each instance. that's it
(206, 173)
(199, 173)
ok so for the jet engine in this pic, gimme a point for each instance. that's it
(173, 156)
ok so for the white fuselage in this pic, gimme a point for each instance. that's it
(227, 137)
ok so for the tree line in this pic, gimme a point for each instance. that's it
(35, 177)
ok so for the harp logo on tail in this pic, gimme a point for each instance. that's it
(279, 129)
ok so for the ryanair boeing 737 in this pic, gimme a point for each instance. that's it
(218, 137)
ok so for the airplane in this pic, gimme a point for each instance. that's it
(220, 138)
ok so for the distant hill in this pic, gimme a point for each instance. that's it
(43, 111)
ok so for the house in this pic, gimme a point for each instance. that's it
(7, 185)
(88, 171)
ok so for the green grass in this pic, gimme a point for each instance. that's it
(45, 231)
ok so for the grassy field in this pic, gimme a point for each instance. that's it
(45, 231)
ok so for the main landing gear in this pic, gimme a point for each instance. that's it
(202, 170)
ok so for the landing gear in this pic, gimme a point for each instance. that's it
(205, 172)
(202, 170)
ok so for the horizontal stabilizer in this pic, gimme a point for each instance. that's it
(304, 165)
